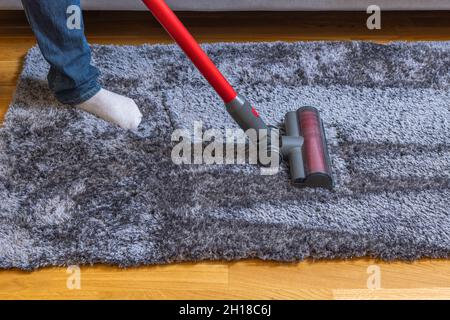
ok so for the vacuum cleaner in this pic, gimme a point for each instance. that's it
(304, 143)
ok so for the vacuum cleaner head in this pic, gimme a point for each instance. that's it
(305, 148)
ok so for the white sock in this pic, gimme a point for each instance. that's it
(114, 108)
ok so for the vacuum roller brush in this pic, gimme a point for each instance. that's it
(305, 148)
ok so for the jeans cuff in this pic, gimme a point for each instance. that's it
(85, 96)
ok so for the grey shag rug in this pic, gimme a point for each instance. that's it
(77, 190)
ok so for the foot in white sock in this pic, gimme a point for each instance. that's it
(114, 108)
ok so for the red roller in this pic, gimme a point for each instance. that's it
(314, 155)
(186, 41)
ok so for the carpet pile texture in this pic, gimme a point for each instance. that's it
(77, 190)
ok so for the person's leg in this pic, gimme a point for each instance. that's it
(72, 78)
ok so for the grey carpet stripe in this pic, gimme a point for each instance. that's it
(420, 166)
(397, 116)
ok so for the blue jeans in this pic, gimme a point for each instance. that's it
(72, 78)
